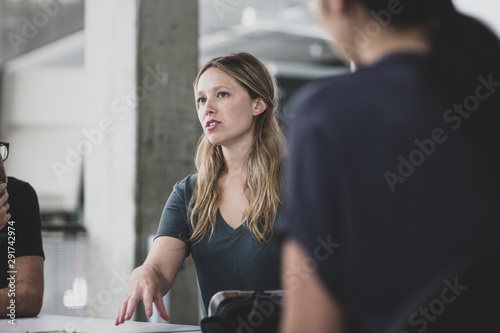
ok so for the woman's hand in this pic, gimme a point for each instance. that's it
(145, 284)
(154, 278)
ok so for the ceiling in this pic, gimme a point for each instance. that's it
(283, 33)
(26, 25)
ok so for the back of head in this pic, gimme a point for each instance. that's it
(462, 47)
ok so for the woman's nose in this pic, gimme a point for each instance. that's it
(209, 107)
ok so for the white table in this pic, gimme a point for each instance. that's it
(51, 323)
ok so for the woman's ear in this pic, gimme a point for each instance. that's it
(332, 7)
(259, 106)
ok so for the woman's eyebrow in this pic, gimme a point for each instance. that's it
(213, 89)
(220, 87)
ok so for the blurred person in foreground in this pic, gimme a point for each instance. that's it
(392, 200)
(224, 214)
(21, 252)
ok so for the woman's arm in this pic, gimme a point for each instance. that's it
(308, 306)
(154, 278)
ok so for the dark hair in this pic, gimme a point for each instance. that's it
(462, 47)
(463, 50)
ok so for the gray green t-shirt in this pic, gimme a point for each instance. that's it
(230, 259)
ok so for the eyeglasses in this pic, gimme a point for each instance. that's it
(4, 150)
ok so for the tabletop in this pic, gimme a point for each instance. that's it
(65, 324)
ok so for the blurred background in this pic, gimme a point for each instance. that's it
(98, 107)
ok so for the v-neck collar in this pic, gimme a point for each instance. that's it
(228, 228)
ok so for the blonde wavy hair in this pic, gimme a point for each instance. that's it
(263, 185)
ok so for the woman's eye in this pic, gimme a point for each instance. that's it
(201, 100)
(223, 94)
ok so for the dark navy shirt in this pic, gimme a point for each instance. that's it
(384, 189)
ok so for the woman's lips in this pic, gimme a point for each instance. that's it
(212, 124)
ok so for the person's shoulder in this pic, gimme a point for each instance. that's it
(15, 183)
(21, 193)
(188, 182)
(312, 103)
(358, 91)
(337, 88)
(185, 186)
(321, 88)
(16, 186)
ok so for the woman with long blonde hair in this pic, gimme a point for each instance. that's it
(224, 214)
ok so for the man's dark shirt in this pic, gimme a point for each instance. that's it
(25, 226)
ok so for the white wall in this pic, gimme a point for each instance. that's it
(487, 11)
(43, 104)
(43, 111)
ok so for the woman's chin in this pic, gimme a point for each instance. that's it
(214, 140)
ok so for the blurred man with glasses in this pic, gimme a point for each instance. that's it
(21, 252)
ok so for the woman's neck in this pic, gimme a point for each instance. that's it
(391, 41)
(236, 161)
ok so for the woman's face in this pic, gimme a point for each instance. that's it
(225, 109)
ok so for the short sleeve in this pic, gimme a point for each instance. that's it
(174, 221)
(26, 219)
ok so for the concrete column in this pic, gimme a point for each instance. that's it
(141, 58)
(2, 41)
(110, 170)
(168, 126)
